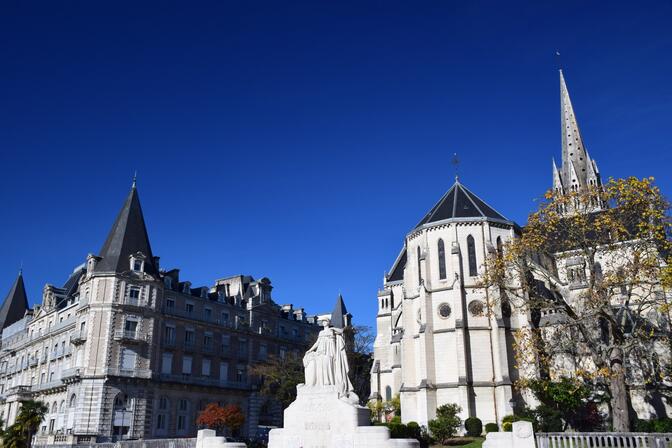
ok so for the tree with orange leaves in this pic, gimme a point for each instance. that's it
(221, 418)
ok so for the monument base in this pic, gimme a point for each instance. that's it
(319, 418)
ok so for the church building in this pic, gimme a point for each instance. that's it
(438, 341)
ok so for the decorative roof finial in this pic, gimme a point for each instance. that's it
(135, 178)
(21, 268)
(456, 164)
(557, 59)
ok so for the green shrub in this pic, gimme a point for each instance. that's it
(509, 419)
(446, 423)
(395, 419)
(507, 426)
(491, 427)
(413, 430)
(659, 425)
(474, 426)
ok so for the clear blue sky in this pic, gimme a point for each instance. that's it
(301, 141)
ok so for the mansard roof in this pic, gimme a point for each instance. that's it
(15, 305)
(127, 237)
(460, 203)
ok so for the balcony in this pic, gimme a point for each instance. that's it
(130, 336)
(48, 385)
(133, 373)
(34, 360)
(71, 374)
(203, 381)
(169, 342)
(78, 337)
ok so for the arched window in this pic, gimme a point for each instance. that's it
(73, 400)
(419, 268)
(442, 260)
(62, 407)
(500, 248)
(471, 255)
(54, 407)
(388, 393)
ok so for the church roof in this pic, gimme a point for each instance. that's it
(397, 272)
(127, 236)
(460, 203)
(338, 315)
(15, 305)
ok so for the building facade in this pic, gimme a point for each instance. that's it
(440, 338)
(126, 349)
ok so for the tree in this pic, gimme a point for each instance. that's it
(360, 359)
(221, 418)
(279, 377)
(28, 420)
(446, 423)
(610, 307)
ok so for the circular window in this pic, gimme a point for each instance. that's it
(476, 308)
(444, 310)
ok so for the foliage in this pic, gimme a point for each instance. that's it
(446, 423)
(359, 341)
(474, 426)
(507, 426)
(491, 427)
(659, 425)
(612, 324)
(27, 422)
(279, 377)
(564, 403)
(220, 418)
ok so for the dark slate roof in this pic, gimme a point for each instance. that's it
(398, 268)
(339, 313)
(127, 236)
(15, 305)
(459, 202)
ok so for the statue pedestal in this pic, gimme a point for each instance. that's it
(318, 418)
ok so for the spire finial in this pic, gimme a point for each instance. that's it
(21, 268)
(135, 179)
(455, 161)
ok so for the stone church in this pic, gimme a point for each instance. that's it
(437, 341)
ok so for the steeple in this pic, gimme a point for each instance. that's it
(127, 237)
(340, 318)
(577, 170)
(15, 305)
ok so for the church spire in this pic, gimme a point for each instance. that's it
(577, 170)
(340, 318)
(16, 303)
(127, 237)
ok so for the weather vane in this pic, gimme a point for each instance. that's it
(455, 161)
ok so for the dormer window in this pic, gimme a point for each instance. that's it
(168, 282)
(138, 262)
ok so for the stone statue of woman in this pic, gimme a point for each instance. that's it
(326, 362)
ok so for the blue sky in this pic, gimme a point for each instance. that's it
(301, 141)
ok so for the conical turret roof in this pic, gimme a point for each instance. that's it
(128, 236)
(15, 305)
(338, 316)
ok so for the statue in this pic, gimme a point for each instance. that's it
(326, 362)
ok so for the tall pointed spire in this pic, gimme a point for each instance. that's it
(340, 318)
(577, 170)
(127, 237)
(16, 303)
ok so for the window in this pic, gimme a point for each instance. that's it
(128, 358)
(205, 370)
(189, 307)
(223, 371)
(225, 318)
(167, 363)
(168, 282)
(169, 335)
(240, 373)
(419, 267)
(388, 393)
(263, 351)
(242, 347)
(207, 340)
(226, 342)
(183, 405)
(134, 293)
(283, 352)
(207, 314)
(181, 422)
(163, 403)
(189, 338)
(471, 256)
(161, 421)
(137, 265)
(186, 365)
(442, 260)
(170, 303)
(130, 327)
(500, 247)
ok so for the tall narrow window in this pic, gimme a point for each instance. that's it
(442, 260)
(419, 268)
(471, 255)
(500, 248)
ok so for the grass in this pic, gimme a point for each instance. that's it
(478, 441)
